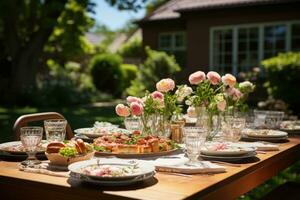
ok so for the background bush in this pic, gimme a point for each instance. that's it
(132, 48)
(283, 78)
(107, 73)
(130, 73)
(157, 65)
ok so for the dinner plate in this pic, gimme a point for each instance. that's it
(142, 169)
(229, 158)
(92, 132)
(6, 147)
(267, 139)
(265, 133)
(235, 152)
(136, 155)
(114, 182)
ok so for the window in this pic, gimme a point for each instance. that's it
(174, 43)
(295, 37)
(223, 50)
(242, 47)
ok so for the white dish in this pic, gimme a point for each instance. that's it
(229, 158)
(229, 150)
(143, 168)
(5, 147)
(264, 133)
(97, 132)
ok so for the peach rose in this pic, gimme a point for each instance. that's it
(122, 110)
(229, 80)
(131, 99)
(136, 108)
(213, 77)
(234, 93)
(221, 105)
(197, 77)
(165, 85)
(157, 95)
(191, 112)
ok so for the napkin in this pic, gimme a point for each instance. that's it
(178, 165)
(45, 168)
(260, 146)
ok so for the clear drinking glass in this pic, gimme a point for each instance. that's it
(55, 129)
(194, 138)
(268, 119)
(232, 128)
(133, 123)
(31, 136)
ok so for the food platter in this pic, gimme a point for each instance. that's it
(137, 155)
(93, 132)
(16, 148)
(229, 152)
(111, 172)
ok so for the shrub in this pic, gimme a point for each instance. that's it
(283, 78)
(130, 73)
(132, 48)
(107, 73)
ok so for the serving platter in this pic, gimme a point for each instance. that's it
(137, 155)
(93, 132)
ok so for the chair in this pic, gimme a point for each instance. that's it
(25, 119)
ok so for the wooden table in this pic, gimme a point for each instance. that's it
(15, 184)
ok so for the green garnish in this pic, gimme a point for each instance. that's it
(68, 152)
(173, 144)
(100, 148)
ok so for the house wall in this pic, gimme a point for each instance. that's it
(197, 25)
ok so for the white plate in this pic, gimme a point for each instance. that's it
(228, 152)
(145, 168)
(264, 133)
(4, 146)
(229, 158)
(92, 132)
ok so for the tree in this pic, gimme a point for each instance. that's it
(27, 27)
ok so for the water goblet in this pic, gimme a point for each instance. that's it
(194, 138)
(55, 129)
(31, 136)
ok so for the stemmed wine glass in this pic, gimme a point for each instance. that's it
(194, 138)
(31, 136)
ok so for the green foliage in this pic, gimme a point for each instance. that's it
(154, 4)
(107, 73)
(283, 78)
(157, 66)
(133, 48)
(130, 73)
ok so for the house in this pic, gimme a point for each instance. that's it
(228, 36)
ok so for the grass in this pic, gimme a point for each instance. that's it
(85, 116)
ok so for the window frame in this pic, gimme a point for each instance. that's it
(261, 28)
(173, 41)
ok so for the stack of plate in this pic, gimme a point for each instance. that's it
(228, 154)
(265, 135)
(292, 127)
(145, 172)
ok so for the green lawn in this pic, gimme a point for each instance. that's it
(85, 116)
(78, 117)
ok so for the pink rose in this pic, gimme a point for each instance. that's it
(131, 99)
(197, 77)
(136, 108)
(234, 93)
(213, 77)
(221, 105)
(157, 95)
(229, 80)
(165, 85)
(122, 110)
(191, 112)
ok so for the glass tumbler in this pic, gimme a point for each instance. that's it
(55, 129)
(133, 123)
(194, 138)
(31, 136)
(233, 127)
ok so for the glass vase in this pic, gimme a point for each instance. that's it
(209, 121)
(160, 126)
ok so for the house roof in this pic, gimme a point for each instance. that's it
(172, 8)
